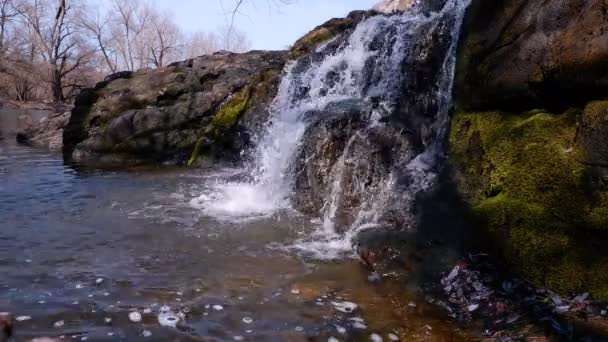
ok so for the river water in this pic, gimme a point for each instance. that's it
(82, 250)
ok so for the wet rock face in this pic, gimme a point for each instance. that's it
(202, 108)
(355, 165)
(537, 178)
(346, 164)
(46, 133)
(520, 54)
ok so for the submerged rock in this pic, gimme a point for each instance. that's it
(46, 133)
(346, 307)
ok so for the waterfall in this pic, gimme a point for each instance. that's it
(375, 65)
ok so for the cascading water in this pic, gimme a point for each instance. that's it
(399, 69)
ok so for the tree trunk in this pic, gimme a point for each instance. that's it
(57, 86)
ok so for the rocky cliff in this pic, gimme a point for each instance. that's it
(530, 134)
(193, 112)
(201, 109)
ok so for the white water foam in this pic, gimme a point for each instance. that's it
(272, 183)
(327, 243)
(341, 75)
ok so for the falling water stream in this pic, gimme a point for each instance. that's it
(221, 255)
(367, 67)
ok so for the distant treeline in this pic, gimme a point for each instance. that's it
(49, 49)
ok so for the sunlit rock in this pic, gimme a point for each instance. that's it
(389, 6)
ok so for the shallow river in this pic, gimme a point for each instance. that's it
(84, 254)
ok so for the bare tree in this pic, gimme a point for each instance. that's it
(201, 43)
(96, 25)
(7, 15)
(127, 29)
(144, 37)
(233, 39)
(165, 39)
(52, 48)
(62, 49)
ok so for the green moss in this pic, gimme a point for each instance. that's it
(523, 177)
(318, 36)
(231, 111)
(531, 239)
(596, 112)
(311, 40)
(223, 121)
(530, 157)
(196, 153)
(598, 215)
(598, 279)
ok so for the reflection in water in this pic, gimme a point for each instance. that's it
(80, 251)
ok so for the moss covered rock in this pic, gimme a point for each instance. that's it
(174, 114)
(537, 179)
(326, 32)
(526, 180)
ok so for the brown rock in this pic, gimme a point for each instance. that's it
(167, 115)
(47, 133)
(6, 326)
(519, 54)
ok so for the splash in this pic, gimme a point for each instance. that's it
(366, 66)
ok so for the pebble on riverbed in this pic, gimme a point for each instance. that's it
(375, 338)
(346, 307)
(168, 318)
(135, 317)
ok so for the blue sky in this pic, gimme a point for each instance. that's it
(267, 26)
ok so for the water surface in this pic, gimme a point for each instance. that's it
(80, 250)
